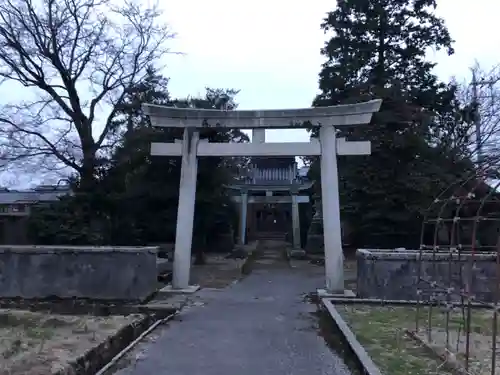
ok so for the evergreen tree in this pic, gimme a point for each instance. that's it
(378, 51)
(377, 43)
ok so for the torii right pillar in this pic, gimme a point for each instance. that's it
(332, 237)
(331, 146)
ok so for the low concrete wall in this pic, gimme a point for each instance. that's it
(101, 273)
(393, 274)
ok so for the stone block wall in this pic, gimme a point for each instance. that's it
(65, 272)
(393, 274)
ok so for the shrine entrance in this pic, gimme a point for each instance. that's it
(328, 146)
(272, 218)
(273, 188)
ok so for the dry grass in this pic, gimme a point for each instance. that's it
(381, 330)
(40, 343)
(455, 341)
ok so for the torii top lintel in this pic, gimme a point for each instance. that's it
(339, 115)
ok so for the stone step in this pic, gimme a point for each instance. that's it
(270, 236)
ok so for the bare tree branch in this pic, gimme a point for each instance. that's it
(76, 60)
(484, 108)
(476, 104)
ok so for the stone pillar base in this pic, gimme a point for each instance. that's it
(170, 290)
(323, 293)
(297, 254)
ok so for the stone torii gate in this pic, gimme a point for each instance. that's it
(328, 147)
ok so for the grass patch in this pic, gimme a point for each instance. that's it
(381, 331)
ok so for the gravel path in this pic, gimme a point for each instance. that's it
(260, 326)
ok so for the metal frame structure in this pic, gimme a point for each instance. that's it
(453, 232)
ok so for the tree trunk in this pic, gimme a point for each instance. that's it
(87, 177)
(88, 169)
(380, 72)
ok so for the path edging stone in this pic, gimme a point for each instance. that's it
(394, 302)
(363, 360)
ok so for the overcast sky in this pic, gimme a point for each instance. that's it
(270, 50)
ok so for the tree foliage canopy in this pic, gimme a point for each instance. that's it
(135, 200)
(378, 51)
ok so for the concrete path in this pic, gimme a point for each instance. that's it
(260, 326)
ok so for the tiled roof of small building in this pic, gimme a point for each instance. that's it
(40, 194)
(282, 162)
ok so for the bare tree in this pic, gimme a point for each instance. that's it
(470, 128)
(73, 62)
(480, 100)
(483, 94)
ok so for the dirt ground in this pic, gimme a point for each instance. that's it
(41, 343)
(381, 330)
(218, 272)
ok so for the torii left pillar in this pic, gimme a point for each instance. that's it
(185, 214)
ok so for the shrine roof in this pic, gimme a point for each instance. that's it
(275, 162)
